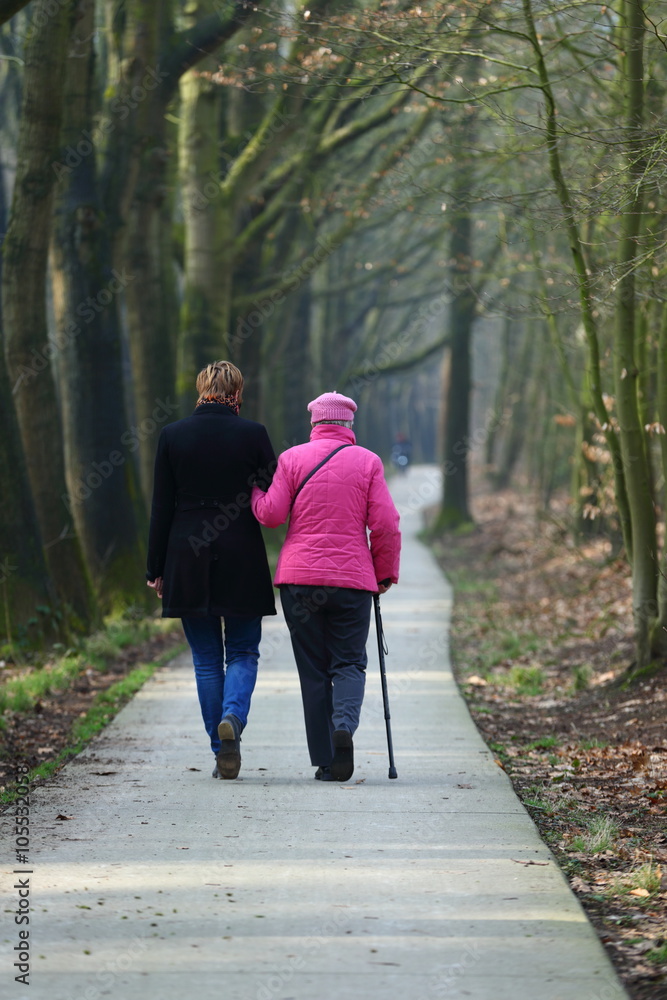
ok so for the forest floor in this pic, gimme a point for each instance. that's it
(540, 641)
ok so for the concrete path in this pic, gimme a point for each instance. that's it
(162, 883)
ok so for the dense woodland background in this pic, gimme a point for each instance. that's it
(454, 212)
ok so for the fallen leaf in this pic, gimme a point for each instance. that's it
(60, 816)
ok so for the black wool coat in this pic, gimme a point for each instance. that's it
(204, 539)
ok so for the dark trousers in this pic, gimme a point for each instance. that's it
(329, 628)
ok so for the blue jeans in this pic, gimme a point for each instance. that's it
(224, 692)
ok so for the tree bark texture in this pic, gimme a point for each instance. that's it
(103, 492)
(151, 297)
(659, 636)
(25, 584)
(455, 509)
(626, 371)
(27, 347)
(209, 231)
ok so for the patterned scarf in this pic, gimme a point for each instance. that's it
(230, 401)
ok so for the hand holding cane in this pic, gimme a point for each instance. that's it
(383, 678)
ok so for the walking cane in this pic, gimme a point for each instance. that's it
(383, 678)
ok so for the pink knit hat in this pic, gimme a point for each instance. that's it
(332, 406)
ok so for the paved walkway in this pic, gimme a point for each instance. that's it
(162, 883)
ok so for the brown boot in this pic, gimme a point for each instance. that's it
(229, 755)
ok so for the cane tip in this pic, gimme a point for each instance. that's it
(393, 772)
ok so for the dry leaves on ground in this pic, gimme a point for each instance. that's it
(541, 634)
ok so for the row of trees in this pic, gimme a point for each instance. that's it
(332, 195)
(161, 215)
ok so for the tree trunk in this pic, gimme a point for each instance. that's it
(152, 297)
(519, 405)
(455, 510)
(25, 584)
(208, 219)
(659, 636)
(103, 493)
(26, 590)
(632, 434)
(27, 346)
(152, 312)
(500, 400)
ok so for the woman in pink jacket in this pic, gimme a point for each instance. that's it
(332, 490)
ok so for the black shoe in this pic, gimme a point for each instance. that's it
(323, 774)
(229, 755)
(216, 773)
(342, 765)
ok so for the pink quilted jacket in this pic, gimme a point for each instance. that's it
(327, 543)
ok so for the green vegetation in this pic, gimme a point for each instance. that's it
(541, 797)
(525, 680)
(534, 800)
(501, 645)
(644, 878)
(658, 955)
(593, 743)
(21, 693)
(601, 835)
(500, 751)
(581, 677)
(105, 706)
(543, 743)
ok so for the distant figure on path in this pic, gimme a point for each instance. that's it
(401, 452)
(332, 490)
(206, 555)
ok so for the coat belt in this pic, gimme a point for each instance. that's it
(190, 501)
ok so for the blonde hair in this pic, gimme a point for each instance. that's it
(219, 379)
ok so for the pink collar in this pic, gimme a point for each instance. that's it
(333, 433)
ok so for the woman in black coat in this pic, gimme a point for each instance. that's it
(206, 554)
